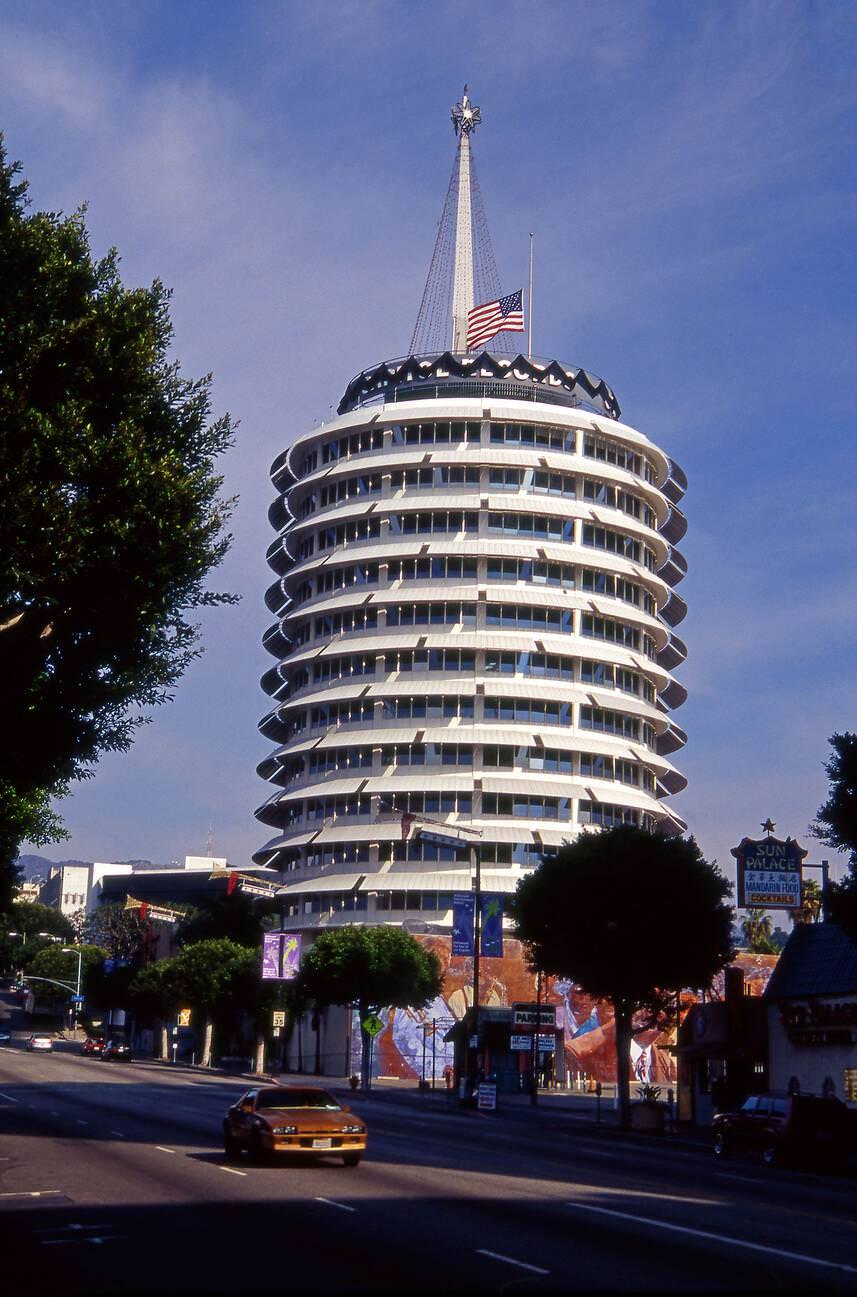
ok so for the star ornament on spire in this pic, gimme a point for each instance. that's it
(465, 116)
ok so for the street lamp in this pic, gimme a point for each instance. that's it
(70, 950)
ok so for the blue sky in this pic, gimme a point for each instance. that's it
(689, 173)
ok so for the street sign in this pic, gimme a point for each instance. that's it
(486, 1097)
(529, 1015)
(77, 999)
(443, 839)
(278, 1018)
(184, 1017)
(521, 1042)
(474, 1042)
(546, 1044)
(372, 1024)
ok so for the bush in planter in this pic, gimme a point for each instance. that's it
(647, 1113)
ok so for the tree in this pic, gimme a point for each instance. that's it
(238, 917)
(112, 515)
(207, 975)
(810, 903)
(56, 965)
(26, 919)
(836, 826)
(835, 823)
(758, 932)
(121, 932)
(630, 916)
(154, 992)
(372, 968)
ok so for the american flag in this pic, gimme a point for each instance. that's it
(493, 317)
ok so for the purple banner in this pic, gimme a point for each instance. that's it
(463, 912)
(271, 953)
(491, 927)
(291, 955)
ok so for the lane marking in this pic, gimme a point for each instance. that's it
(82, 1123)
(510, 1260)
(343, 1206)
(118, 1134)
(717, 1238)
(161, 1149)
(53, 1113)
(232, 1170)
(31, 1193)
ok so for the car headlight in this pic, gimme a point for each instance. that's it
(354, 1130)
(285, 1130)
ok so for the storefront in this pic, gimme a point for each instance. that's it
(722, 1052)
(811, 1003)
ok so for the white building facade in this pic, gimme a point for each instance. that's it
(475, 607)
(475, 602)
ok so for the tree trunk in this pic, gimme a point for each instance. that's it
(205, 1060)
(366, 1042)
(316, 1026)
(165, 1041)
(260, 1052)
(622, 1017)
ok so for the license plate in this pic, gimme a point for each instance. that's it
(322, 1143)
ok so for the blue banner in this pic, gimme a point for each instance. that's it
(463, 914)
(491, 925)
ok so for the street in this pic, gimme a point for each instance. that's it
(113, 1179)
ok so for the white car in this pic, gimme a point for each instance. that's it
(40, 1041)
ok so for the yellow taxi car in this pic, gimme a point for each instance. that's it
(298, 1121)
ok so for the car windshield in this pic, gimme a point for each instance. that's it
(297, 1099)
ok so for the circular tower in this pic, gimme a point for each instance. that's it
(474, 608)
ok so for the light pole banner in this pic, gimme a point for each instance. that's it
(291, 955)
(491, 926)
(271, 946)
(463, 914)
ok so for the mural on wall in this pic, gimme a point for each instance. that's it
(587, 1024)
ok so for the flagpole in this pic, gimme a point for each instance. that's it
(530, 306)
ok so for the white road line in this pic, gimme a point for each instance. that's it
(510, 1260)
(53, 1112)
(341, 1205)
(82, 1123)
(31, 1193)
(718, 1238)
(232, 1170)
(118, 1134)
(10, 1097)
(161, 1149)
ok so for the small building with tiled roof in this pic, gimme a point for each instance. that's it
(812, 1013)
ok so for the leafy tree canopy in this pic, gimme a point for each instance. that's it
(836, 826)
(371, 967)
(205, 972)
(121, 932)
(240, 918)
(757, 931)
(53, 962)
(631, 916)
(154, 989)
(112, 515)
(835, 823)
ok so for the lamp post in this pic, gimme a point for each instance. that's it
(70, 950)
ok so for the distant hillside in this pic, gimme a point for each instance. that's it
(40, 867)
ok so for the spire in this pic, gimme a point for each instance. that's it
(465, 118)
(462, 269)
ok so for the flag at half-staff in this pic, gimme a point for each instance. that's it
(483, 322)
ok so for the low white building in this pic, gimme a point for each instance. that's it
(812, 1014)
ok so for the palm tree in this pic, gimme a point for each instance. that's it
(758, 930)
(810, 903)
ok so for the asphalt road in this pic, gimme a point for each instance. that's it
(112, 1179)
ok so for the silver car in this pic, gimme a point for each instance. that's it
(40, 1041)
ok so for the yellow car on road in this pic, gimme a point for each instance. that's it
(295, 1121)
